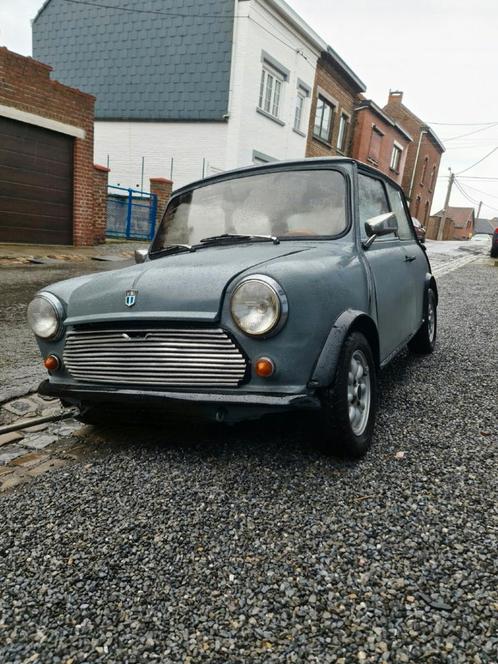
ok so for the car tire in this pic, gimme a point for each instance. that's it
(349, 405)
(424, 341)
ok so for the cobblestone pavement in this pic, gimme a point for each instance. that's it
(202, 544)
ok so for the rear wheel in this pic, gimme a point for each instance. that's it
(349, 406)
(424, 341)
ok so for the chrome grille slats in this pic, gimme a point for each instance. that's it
(154, 356)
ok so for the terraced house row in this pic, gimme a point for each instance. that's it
(188, 88)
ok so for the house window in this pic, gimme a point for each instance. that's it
(424, 170)
(299, 111)
(426, 212)
(396, 158)
(270, 92)
(375, 145)
(343, 132)
(323, 119)
(433, 178)
(417, 207)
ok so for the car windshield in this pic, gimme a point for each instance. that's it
(306, 203)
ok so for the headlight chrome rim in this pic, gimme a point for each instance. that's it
(281, 299)
(58, 310)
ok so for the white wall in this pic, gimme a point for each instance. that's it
(189, 143)
(265, 30)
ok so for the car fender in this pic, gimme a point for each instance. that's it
(349, 321)
(430, 282)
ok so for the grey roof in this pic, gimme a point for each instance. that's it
(485, 225)
(368, 103)
(346, 69)
(169, 65)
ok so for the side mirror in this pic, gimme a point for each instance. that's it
(382, 224)
(141, 255)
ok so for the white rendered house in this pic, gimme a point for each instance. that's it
(196, 91)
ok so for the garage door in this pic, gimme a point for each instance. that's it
(36, 184)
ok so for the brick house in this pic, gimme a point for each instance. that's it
(459, 224)
(422, 160)
(50, 190)
(335, 94)
(379, 141)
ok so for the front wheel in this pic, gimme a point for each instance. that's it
(349, 405)
(424, 341)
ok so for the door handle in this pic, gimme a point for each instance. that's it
(409, 259)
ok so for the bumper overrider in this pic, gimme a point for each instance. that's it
(219, 406)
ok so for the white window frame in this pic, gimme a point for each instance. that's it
(333, 109)
(299, 109)
(344, 120)
(271, 91)
(397, 151)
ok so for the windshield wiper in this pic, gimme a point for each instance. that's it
(172, 249)
(238, 237)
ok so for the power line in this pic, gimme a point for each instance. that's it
(133, 10)
(470, 133)
(478, 162)
(101, 5)
(480, 191)
(470, 199)
(461, 124)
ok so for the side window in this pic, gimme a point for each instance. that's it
(372, 201)
(404, 224)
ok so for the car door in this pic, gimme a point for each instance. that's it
(416, 262)
(387, 264)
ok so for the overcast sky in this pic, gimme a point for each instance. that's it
(442, 53)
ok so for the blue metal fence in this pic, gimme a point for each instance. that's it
(131, 213)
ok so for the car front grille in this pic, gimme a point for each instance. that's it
(167, 357)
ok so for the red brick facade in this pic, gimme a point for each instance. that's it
(343, 95)
(162, 188)
(423, 158)
(101, 177)
(376, 137)
(25, 85)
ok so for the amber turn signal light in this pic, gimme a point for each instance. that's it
(264, 367)
(52, 363)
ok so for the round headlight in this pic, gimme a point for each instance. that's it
(259, 305)
(45, 314)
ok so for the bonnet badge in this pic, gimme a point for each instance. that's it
(131, 297)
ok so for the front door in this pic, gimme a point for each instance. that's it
(387, 261)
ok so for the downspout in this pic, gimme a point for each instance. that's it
(415, 165)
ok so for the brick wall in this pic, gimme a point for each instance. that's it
(25, 85)
(422, 193)
(432, 229)
(162, 188)
(365, 120)
(329, 79)
(100, 182)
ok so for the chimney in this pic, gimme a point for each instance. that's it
(395, 97)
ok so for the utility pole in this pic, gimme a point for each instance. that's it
(479, 210)
(445, 208)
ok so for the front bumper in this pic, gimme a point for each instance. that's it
(220, 406)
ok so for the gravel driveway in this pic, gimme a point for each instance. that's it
(244, 544)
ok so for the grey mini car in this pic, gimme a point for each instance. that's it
(270, 288)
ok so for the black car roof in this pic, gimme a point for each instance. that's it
(275, 165)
